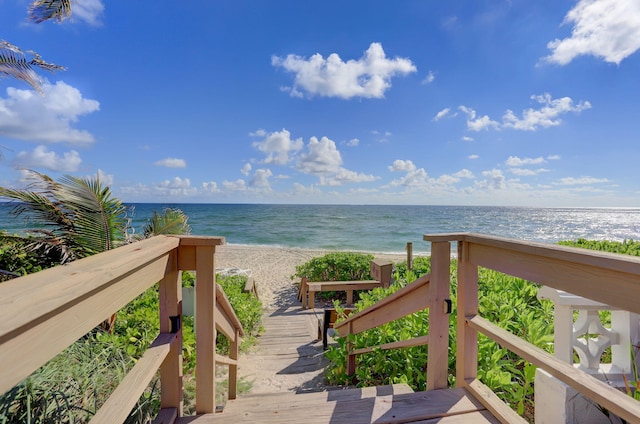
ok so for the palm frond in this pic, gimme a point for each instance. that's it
(171, 221)
(99, 218)
(43, 10)
(14, 63)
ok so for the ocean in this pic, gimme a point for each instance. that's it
(383, 228)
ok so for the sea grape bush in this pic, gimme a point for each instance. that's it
(336, 266)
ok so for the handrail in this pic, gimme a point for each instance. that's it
(43, 313)
(603, 277)
(431, 292)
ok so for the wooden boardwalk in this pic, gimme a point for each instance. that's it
(287, 368)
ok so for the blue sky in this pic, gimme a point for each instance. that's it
(483, 102)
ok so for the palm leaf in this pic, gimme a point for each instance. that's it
(14, 63)
(99, 218)
(42, 10)
(171, 221)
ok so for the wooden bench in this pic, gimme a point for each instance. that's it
(380, 270)
(330, 318)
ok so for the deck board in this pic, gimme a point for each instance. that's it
(442, 406)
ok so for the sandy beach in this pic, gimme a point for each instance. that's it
(272, 268)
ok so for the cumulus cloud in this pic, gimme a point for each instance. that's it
(467, 138)
(472, 157)
(368, 77)
(42, 158)
(526, 172)
(353, 142)
(261, 179)
(475, 123)
(175, 187)
(324, 160)
(494, 180)
(172, 163)
(26, 115)
(107, 179)
(278, 146)
(88, 11)
(517, 161)
(246, 169)
(211, 187)
(237, 185)
(546, 116)
(607, 29)
(400, 165)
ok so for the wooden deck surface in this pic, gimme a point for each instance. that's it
(289, 387)
(386, 404)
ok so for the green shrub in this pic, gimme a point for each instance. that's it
(627, 247)
(336, 266)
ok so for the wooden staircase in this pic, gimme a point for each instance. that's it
(382, 404)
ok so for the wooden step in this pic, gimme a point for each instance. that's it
(434, 406)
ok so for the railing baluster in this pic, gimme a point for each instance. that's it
(205, 329)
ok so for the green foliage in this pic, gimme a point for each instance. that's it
(627, 247)
(15, 259)
(170, 221)
(507, 301)
(336, 266)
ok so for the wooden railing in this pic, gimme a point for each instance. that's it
(43, 313)
(603, 277)
(428, 292)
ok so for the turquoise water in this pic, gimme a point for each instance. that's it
(383, 228)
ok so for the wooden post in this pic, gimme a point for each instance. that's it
(234, 349)
(438, 348)
(409, 256)
(205, 330)
(467, 338)
(170, 294)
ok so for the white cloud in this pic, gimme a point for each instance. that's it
(353, 142)
(42, 158)
(431, 77)
(175, 187)
(368, 77)
(416, 178)
(105, 178)
(400, 165)
(571, 181)
(172, 163)
(26, 115)
(88, 11)
(444, 112)
(607, 29)
(467, 138)
(495, 180)
(324, 160)
(237, 185)
(553, 157)
(261, 179)
(546, 116)
(472, 157)
(525, 172)
(246, 168)
(211, 187)
(278, 146)
(517, 161)
(478, 124)
(464, 173)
